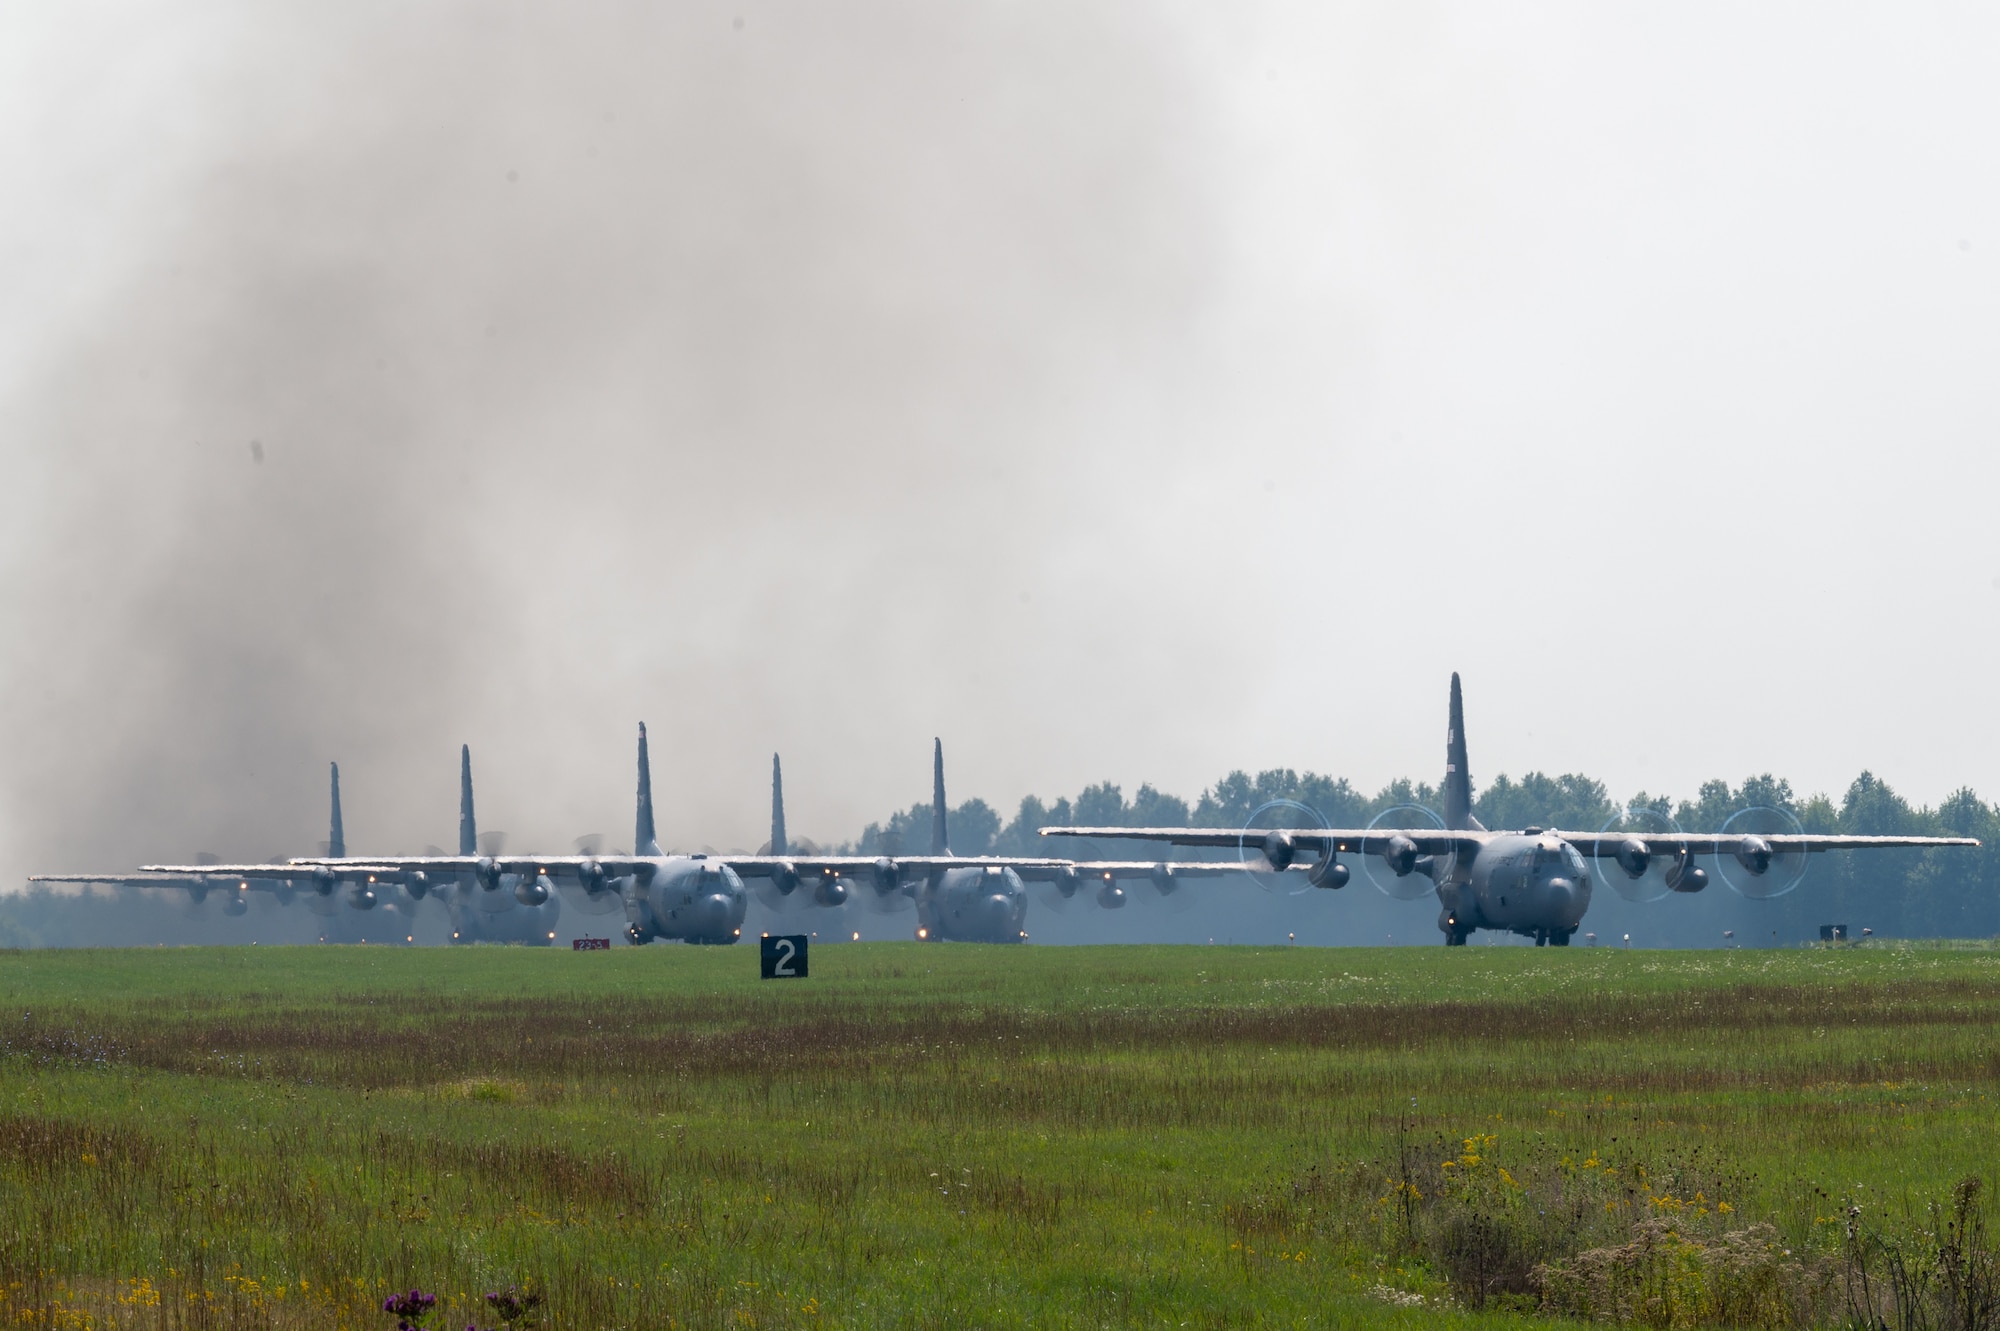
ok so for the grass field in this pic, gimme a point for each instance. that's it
(954, 1136)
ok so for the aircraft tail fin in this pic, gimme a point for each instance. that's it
(645, 841)
(940, 837)
(1457, 780)
(468, 825)
(779, 846)
(336, 835)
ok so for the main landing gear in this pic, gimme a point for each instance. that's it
(1456, 934)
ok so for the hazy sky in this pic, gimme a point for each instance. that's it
(1118, 390)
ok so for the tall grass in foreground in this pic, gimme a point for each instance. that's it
(967, 1136)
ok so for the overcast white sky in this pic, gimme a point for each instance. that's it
(1119, 390)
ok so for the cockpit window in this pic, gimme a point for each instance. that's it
(1573, 858)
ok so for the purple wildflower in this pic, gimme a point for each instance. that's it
(410, 1309)
(512, 1306)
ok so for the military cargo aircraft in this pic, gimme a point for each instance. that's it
(1535, 882)
(696, 898)
(523, 913)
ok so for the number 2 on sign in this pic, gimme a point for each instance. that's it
(784, 958)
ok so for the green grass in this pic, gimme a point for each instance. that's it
(922, 1136)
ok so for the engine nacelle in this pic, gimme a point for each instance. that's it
(884, 875)
(785, 877)
(1687, 876)
(1634, 858)
(198, 891)
(1279, 848)
(531, 891)
(1111, 896)
(1400, 854)
(1754, 854)
(417, 883)
(1164, 881)
(1328, 872)
(324, 880)
(485, 873)
(1068, 882)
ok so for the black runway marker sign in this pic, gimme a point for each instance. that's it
(784, 957)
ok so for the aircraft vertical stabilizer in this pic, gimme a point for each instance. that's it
(336, 836)
(645, 841)
(1457, 780)
(940, 839)
(468, 825)
(779, 846)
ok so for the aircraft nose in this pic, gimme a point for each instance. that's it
(711, 915)
(1560, 894)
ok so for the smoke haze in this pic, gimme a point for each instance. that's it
(1120, 391)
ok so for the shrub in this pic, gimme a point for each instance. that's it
(1668, 1277)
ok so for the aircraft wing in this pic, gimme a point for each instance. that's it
(582, 867)
(256, 877)
(860, 866)
(619, 866)
(1031, 868)
(1367, 841)
(1153, 868)
(1433, 842)
(1713, 843)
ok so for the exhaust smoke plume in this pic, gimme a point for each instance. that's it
(509, 376)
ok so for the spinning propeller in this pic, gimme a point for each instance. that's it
(1402, 873)
(886, 894)
(1761, 870)
(1634, 874)
(1266, 852)
(590, 891)
(1056, 893)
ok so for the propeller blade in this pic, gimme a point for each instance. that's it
(777, 902)
(1275, 816)
(1412, 886)
(895, 902)
(1773, 872)
(590, 843)
(492, 843)
(1049, 895)
(587, 902)
(1651, 883)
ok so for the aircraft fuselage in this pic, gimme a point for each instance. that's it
(688, 897)
(1531, 883)
(987, 904)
